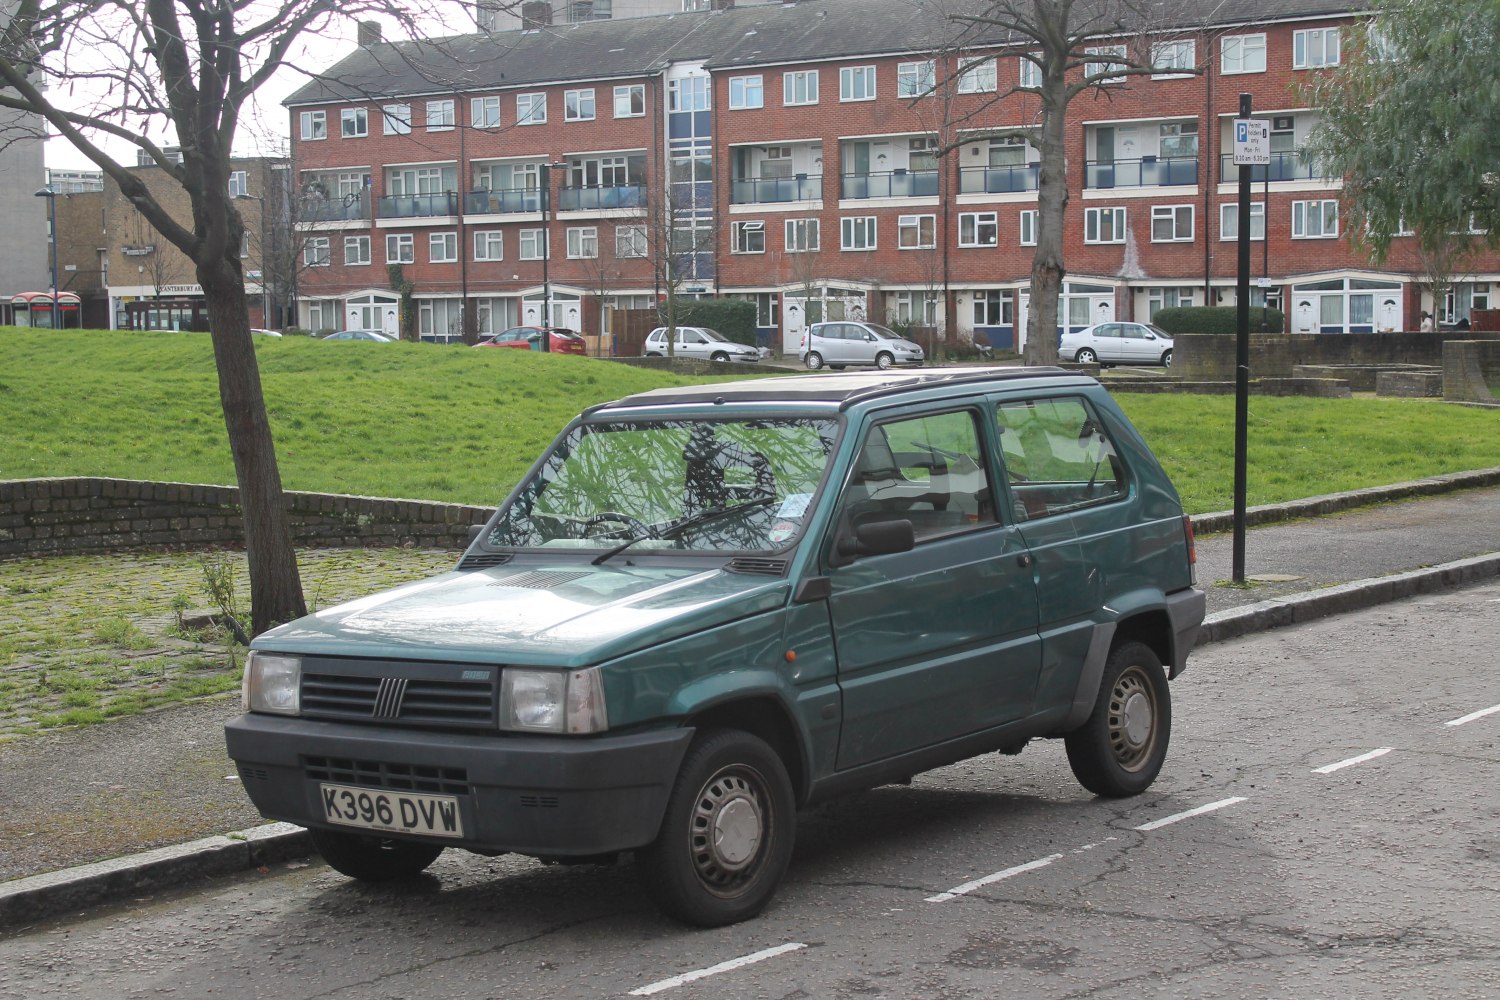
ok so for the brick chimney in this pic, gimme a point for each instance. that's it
(369, 34)
(536, 14)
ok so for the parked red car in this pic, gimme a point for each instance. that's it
(560, 340)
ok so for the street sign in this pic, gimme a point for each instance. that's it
(1252, 142)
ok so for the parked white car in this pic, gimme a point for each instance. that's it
(699, 342)
(1118, 344)
(840, 344)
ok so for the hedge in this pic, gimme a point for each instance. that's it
(1215, 319)
(734, 318)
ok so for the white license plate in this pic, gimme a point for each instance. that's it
(392, 812)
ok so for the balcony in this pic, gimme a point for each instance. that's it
(348, 208)
(998, 180)
(1289, 165)
(1148, 171)
(775, 190)
(503, 201)
(419, 206)
(889, 184)
(601, 197)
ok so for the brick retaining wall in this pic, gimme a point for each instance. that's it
(84, 514)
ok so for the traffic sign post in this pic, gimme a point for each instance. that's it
(1252, 148)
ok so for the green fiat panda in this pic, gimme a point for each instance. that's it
(705, 607)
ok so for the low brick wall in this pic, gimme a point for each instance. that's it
(1209, 357)
(1469, 370)
(82, 515)
(1409, 383)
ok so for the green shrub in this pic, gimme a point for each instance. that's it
(734, 318)
(1216, 319)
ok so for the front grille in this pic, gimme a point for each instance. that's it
(412, 701)
(383, 774)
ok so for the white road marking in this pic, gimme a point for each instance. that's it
(979, 883)
(1157, 824)
(1473, 715)
(714, 970)
(1340, 765)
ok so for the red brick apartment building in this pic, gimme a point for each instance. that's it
(794, 140)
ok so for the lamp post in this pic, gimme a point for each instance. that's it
(55, 312)
(265, 287)
(546, 312)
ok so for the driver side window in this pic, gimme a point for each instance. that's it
(929, 470)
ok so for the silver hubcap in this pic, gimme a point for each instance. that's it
(1132, 720)
(728, 828)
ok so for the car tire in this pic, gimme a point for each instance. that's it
(371, 858)
(1119, 751)
(726, 836)
(1085, 356)
(1166, 359)
(718, 356)
(884, 360)
(814, 360)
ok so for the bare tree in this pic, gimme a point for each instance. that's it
(680, 243)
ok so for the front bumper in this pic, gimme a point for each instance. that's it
(537, 795)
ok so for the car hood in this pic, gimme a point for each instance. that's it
(571, 615)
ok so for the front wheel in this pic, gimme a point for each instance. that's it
(1166, 359)
(726, 836)
(814, 360)
(1120, 749)
(718, 356)
(1085, 356)
(373, 858)
(884, 360)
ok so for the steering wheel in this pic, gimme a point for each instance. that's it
(639, 528)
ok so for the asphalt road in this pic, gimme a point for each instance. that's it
(1327, 825)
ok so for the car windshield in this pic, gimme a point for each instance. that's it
(884, 332)
(662, 483)
(1158, 331)
(714, 335)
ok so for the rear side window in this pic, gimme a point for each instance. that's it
(1058, 457)
(929, 470)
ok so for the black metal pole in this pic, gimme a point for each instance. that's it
(1242, 363)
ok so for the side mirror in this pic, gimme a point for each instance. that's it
(475, 530)
(877, 538)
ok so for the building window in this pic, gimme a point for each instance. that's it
(484, 112)
(857, 233)
(688, 93)
(799, 87)
(489, 244)
(583, 242)
(396, 118)
(317, 252)
(978, 76)
(857, 83)
(1026, 228)
(442, 248)
(916, 232)
(1229, 221)
(590, 10)
(1173, 60)
(314, 125)
(746, 92)
(692, 5)
(921, 152)
(1315, 220)
(356, 249)
(747, 237)
(244, 243)
(913, 79)
(354, 123)
(440, 116)
(1242, 54)
(978, 229)
(1178, 139)
(1107, 59)
(400, 249)
(1171, 223)
(1315, 47)
(919, 308)
(239, 183)
(533, 244)
(1028, 73)
(630, 241)
(630, 101)
(801, 235)
(578, 105)
(1169, 298)
(993, 308)
(531, 109)
(1104, 225)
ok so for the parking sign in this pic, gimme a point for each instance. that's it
(1252, 142)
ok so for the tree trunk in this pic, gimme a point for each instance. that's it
(1047, 269)
(275, 586)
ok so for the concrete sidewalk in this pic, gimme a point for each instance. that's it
(62, 795)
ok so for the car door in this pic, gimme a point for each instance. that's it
(830, 342)
(1137, 345)
(940, 641)
(1106, 341)
(863, 345)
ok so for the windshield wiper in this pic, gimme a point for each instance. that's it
(678, 527)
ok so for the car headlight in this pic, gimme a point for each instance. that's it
(552, 701)
(273, 683)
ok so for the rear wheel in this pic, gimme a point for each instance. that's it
(1085, 356)
(814, 360)
(726, 836)
(884, 360)
(373, 858)
(1120, 749)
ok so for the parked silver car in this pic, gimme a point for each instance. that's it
(1118, 344)
(840, 344)
(699, 342)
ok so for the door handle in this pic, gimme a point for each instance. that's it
(1023, 560)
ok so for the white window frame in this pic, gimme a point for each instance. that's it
(1325, 208)
(527, 107)
(1094, 67)
(909, 232)
(915, 79)
(983, 229)
(1326, 42)
(532, 244)
(361, 255)
(400, 248)
(1026, 227)
(1097, 219)
(747, 237)
(1229, 221)
(979, 76)
(578, 105)
(1028, 73)
(856, 83)
(442, 248)
(747, 93)
(1181, 57)
(239, 183)
(489, 244)
(858, 233)
(354, 123)
(314, 126)
(1251, 57)
(317, 251)
(484, 112)
(799, 81)
(802, 235)
(628, 93)
(1174, 217)
(630, 242)
(441, 115)
(395, 119)
(583, 242)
